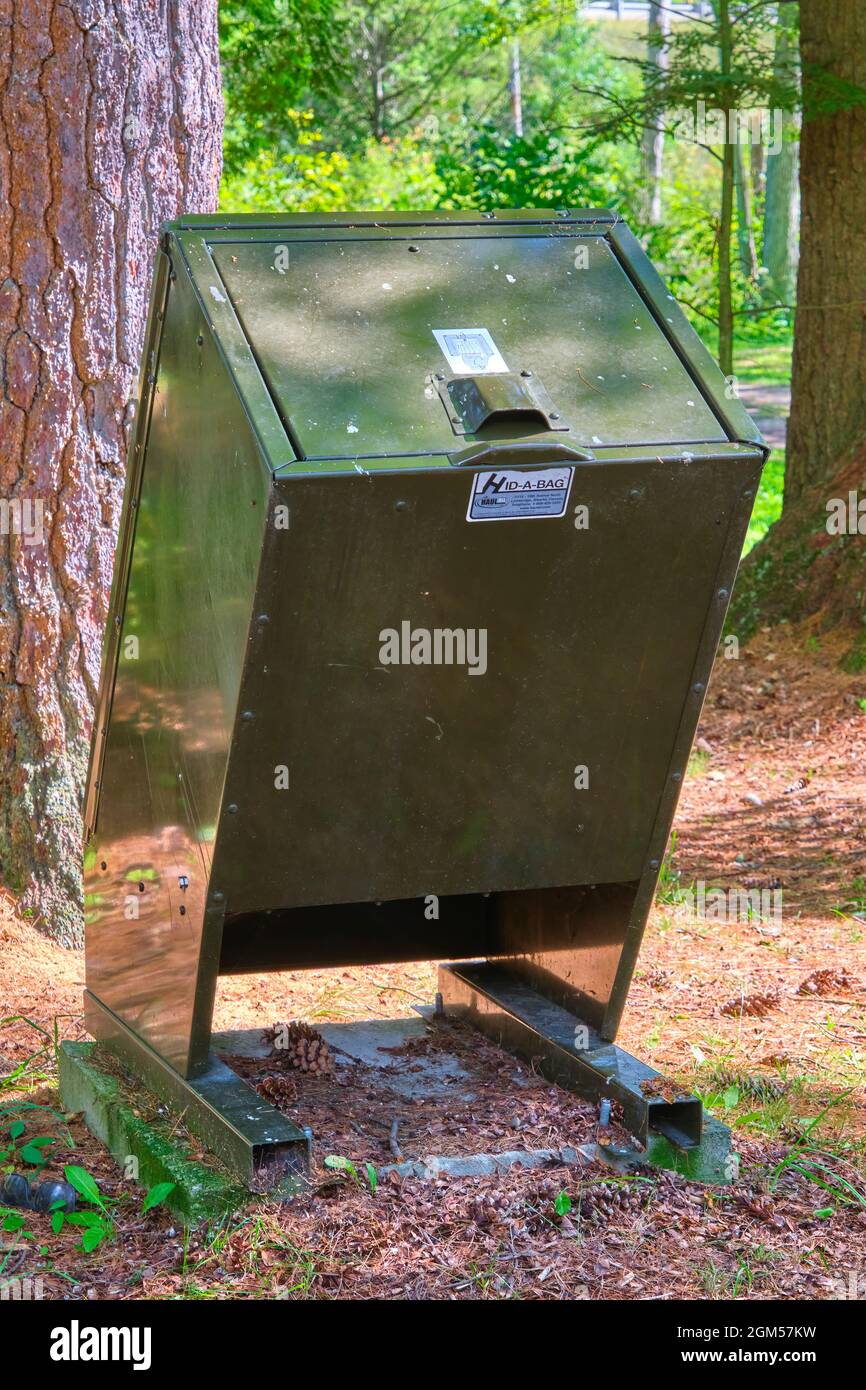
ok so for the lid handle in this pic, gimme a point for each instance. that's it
(498, 398)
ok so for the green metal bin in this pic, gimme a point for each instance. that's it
(430, 527)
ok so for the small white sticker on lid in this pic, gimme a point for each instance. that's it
(470, 351)
(508, 494)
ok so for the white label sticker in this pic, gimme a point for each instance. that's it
(501, 494)
(470, 351)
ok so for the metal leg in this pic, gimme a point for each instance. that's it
(254, 1141)
(564, 1049)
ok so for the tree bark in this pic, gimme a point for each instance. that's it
(110, 123)
(653, 138)
(782, 200)
(745, 220)
(726, 214)
(515, 91)
(828, 410)
(781, 224)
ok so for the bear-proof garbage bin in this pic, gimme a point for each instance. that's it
(429, 531)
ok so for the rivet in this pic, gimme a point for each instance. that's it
(675, 777)
(232, 809)
(554, 415)
(414, 248)
(525, 372)
(698, 687)
(723, 593)
(248, 715)
(654, 863)
(200, 339)
(262, 618)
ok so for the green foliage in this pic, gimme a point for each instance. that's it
(810, 1160)
(768, 503)
(19, 1147)
(84, 1183)
(29, 1071)
(156, 1195)
(272, 51)
(408, 62)
(345, 1165)
(669, 890)
(310, 177)
(95, 1226)
(485, 169)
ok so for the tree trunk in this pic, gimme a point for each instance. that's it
(726, 216)
(828, 412)
(514, 89)
(110, 122)
(782, 202)
(745, 221)
(653, 139)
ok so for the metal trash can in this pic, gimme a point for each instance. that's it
(430, 527)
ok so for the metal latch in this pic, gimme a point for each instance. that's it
(497, 398)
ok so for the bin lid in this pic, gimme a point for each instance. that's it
(350, 332)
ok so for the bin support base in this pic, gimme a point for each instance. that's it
(670, 1127)
(258, 1145)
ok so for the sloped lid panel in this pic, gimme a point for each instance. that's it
(349, 334)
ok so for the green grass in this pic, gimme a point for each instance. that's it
(765, 364)
(768, 503)
(761, 364)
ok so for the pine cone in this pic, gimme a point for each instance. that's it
(760, 1088)
(278, 1090)
(301, 1046)
(489, 1211)
(755, 1005)
(825, 982)
(598, 1205)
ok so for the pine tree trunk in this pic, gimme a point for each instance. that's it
(110, 123)
(745, 221)
(828, 411)
(653, 138)
(726, 215)
(782, 201)
(726, 226)
(515, 90)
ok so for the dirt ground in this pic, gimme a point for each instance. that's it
(764, 1017)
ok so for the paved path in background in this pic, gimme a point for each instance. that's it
(769, 406)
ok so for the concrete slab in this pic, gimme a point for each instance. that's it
(431, 1074)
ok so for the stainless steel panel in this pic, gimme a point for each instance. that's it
(151, 950)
